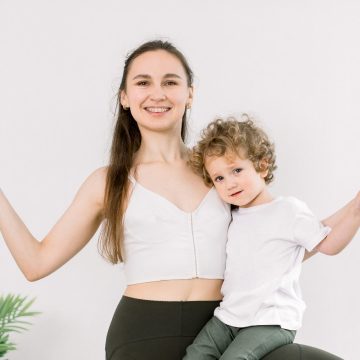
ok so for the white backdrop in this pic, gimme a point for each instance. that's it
(292, 64)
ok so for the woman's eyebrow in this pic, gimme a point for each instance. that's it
(172, 76)
(142, 76)
(166, 76)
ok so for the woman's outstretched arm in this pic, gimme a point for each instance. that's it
(37, 259)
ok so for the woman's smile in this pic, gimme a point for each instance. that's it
(157, 110)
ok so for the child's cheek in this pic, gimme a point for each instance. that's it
(221, 191)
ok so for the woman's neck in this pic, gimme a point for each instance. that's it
(161, 148)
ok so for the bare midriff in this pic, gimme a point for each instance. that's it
(177, 290)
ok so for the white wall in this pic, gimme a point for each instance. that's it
(292, 64)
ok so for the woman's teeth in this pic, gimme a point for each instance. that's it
(157, 109)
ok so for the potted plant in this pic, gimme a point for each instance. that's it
(13, 309)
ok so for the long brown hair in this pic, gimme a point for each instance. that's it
(126, 141)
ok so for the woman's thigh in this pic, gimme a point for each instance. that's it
(300, 352)
(146, 329)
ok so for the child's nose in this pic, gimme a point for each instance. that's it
(230, 184)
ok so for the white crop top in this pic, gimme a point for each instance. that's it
(163, 242)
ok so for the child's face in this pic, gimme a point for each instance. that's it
(237, 181)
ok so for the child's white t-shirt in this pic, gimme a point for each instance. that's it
(265, 249)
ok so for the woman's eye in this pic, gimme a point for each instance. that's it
(237, 170)
(219, 178)
(142, 83)
(170, 83)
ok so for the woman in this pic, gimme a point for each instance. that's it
(159, 218)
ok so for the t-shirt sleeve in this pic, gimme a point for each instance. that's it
(308, 231)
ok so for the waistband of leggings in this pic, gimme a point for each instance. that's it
(133, 300)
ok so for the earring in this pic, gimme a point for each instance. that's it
(125, 108)
(188, 106)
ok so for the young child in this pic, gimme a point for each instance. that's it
(262, 306)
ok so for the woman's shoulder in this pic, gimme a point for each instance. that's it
(100, 173)
(98, 176)
(95, 184)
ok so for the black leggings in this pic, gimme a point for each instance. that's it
(156, 330)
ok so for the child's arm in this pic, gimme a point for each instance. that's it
(344, 224)
(333, 220)
(309, 254)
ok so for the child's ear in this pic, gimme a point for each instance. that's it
(264, 168)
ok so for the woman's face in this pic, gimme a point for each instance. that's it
(157, 91)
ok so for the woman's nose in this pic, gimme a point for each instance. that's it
(157, 93)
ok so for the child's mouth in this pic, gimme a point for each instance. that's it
(237, 193)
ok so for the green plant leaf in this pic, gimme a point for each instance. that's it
(12, 308)
(15, 328)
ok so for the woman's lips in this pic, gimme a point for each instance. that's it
(157, 109)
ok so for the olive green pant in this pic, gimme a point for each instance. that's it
(162, 330)
(220, 341)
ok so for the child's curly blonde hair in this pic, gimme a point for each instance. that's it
(227, 137)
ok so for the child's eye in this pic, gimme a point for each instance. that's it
(219, 178)
(237, 170)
